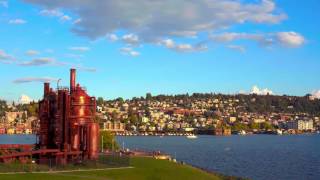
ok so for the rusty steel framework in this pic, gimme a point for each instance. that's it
(68, 130)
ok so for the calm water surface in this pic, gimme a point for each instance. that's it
(256, 156)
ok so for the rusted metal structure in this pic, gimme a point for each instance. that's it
(68, 130)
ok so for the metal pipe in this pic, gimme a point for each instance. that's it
(72, 79)
(46, 88)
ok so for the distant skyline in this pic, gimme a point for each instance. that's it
(124, 48)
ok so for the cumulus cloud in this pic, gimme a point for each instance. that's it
(287, 39)
(79, 48)
(32, 52)
(184, 47)
(291, 39)
(52, 12)
(5, 57)
(65, 18)
(55, 13)
(34, 79)
(24, 99)
(112, 37)
(130, 39)
(152, 21)
(129, 51)
(256, 90)
(48, 61)
(39, 62)
(17, 21)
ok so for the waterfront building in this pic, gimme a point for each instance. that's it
(300, 124)
(223, 131)
(259, 120)
(113, 126)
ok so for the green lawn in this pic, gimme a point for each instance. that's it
(143, 168)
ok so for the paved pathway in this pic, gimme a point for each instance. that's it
(66, 171)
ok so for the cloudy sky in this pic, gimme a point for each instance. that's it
(128, 48)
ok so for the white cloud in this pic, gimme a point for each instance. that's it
(237, 48)
(170, 44)
(39, 62)
(256, 90)
(76, 56)
(77, 21)
(24, 99)
(65, 18)
(17, 21)
(57, 13)
(51, 12)
(129, 51)
(6, 58)
(316, 94)
(130, 39)
(34, 79)
(232, 36)
(287, 39)
(32, 52)
(113, 37)
(291, 39)
(152, 21)
(79, 48)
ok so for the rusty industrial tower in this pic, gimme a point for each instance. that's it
(68, 130)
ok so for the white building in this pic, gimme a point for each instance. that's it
(300, 124)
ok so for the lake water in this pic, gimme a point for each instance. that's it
(294, 157)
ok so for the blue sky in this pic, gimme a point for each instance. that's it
(126, 49)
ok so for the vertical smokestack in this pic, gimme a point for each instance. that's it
(72, 79)
(46, 88)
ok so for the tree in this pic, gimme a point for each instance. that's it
(32, 109)
(24, 117)
(148, 96)
(114, 115)
(108, 141)
(237, 126)
(254, 125)
(100, 101)
(266, 126)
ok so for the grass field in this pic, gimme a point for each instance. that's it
(142, 168)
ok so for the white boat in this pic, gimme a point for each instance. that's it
(242, 132)
(279, 132)
(192, 136)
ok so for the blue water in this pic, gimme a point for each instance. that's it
(260, 157)
(295, 157)
(18, 139)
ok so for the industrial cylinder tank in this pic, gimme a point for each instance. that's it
(94, 141)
